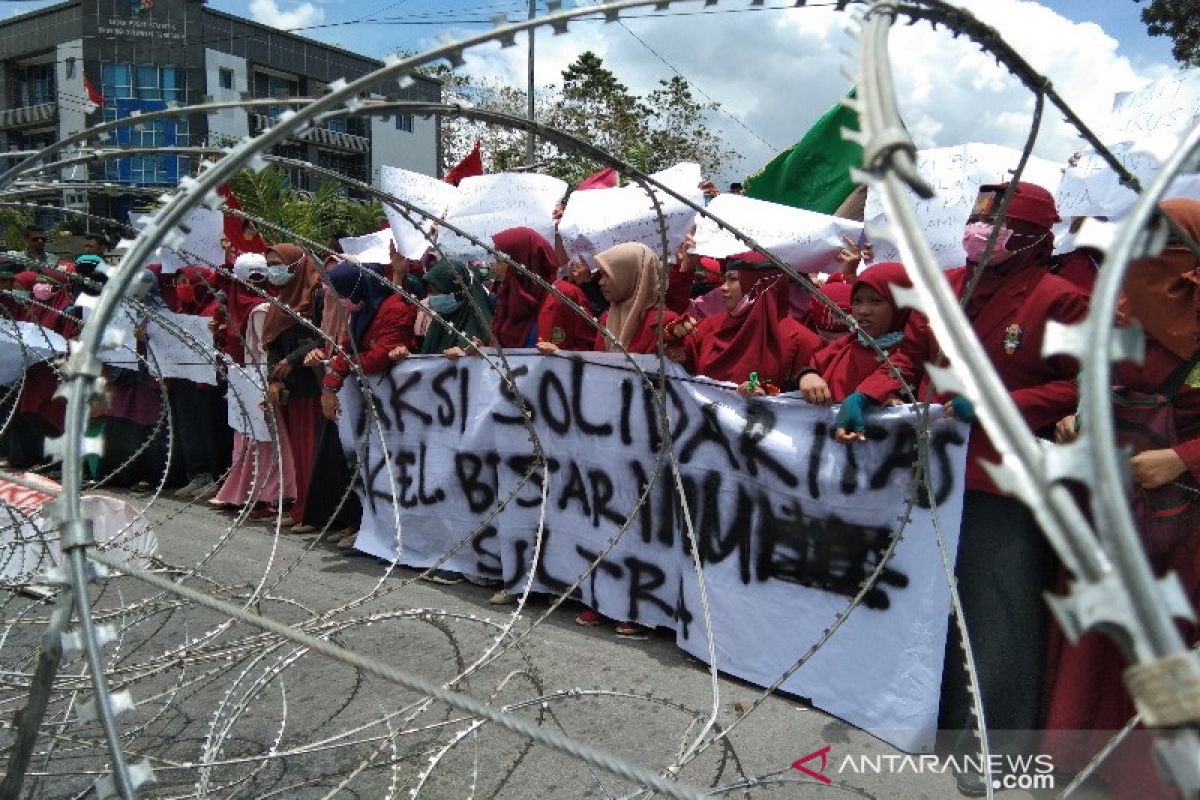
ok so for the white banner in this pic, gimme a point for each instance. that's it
(488, 204)
(788, 523)
(202, 230)
(597, 219)
(956, 173)
(181, 346)
(481, 206)
(1144, 129)
(410, 229)
(23, 344)
(805, 240)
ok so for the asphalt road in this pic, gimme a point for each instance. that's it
(272, 720)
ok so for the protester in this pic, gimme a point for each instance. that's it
(1157, 410)
(203, 445)
(263, 472)
(1004, 562)
(39, 413)
(560, 324)
(457, 295)
(755, 336)
(381, 324)
(629, 280)
(519, 296)
(290, 331)
(841, 365)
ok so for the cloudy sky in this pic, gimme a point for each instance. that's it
(775, 70)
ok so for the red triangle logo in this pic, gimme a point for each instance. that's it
(823, 754)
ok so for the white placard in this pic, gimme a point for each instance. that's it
(1144, 129)
(435, 196)
(488, 204)
(369, 249)
(23, 344)
(247, 389)
(805, 240)
(181, 346)
(788, 526)
(202, 228)
(597, 219)
(956, 173)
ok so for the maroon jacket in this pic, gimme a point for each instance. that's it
(1011, 328)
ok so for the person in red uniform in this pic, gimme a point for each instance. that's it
(756, 334)
(841, 365)
(561, 325)
(1004, 563)
(629, 280)
(39, 414)
(518, 296)
(1087, 693)
(383, 324)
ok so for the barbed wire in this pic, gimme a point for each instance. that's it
(224, 648)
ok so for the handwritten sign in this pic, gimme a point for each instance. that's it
(600, 218)
(435, 196)
(805, 240)
(488, 204)
(369, 249)
(1144, 129)
(956, 173)
(202, 229)
(181, 346)
(247, 388)
(23, 344)
(787, 524)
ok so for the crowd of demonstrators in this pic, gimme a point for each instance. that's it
(308, 329)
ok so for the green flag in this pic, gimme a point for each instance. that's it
(815, 173)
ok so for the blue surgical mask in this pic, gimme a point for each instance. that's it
(443, 303)
(278, 275)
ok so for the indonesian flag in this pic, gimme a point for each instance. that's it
(95, 99)
(469, 167)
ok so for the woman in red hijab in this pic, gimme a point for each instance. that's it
(559, 324)
(519, 297)
(1088, 694)
(756, 335)
(840, 366)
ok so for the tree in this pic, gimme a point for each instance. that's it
(651, 133)
(316, 217)
(1179, 19)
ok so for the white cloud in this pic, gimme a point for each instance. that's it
(777, 71)
(268, 12)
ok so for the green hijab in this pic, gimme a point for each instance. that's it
(454, 277)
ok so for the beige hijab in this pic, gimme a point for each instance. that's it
(633, 274)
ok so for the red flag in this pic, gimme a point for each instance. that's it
(469, 167)
(604, 179)
(92, 94)
(235, 227)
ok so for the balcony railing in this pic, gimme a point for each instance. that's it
(26, 116)
(322, 137)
